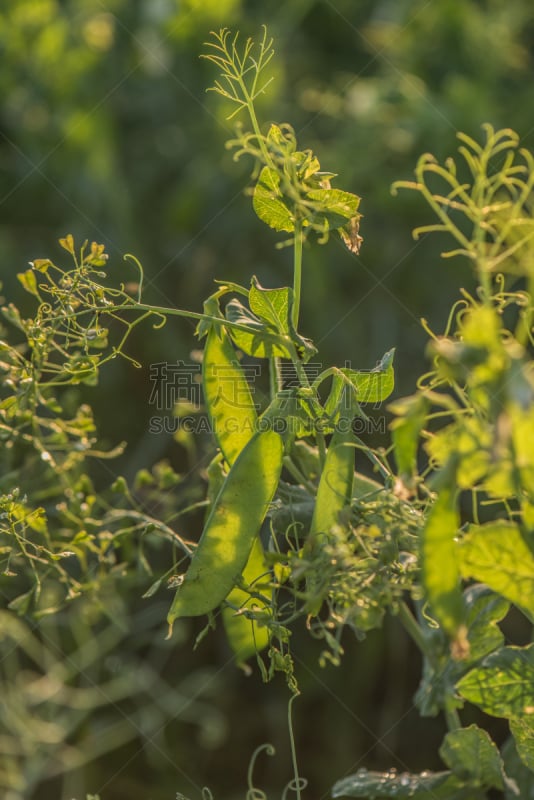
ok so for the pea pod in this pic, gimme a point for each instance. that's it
(245, 636)
(334, 493)
(233, 418)
(227, 395)
(231, 528)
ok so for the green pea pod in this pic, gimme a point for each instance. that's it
(227, 395)
(245, 636)
(334, 493)
(231, 528)
(234, 419)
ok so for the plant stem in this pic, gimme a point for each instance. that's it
(297, 272)
(275, 380)
(321, 444)
(453, 719)
(255, 125)
(412, 627)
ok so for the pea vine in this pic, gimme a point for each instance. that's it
(437, 531)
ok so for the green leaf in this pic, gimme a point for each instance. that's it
(521, 779)
(41, 264)
(283, 140)
(269, 204)
(273, 306)
(497, 554)
(473, 757)
(484, 610)
(437, 690)
(503, 684)
(523, 732)
(334, 206)
(29, 281)
(374, 386)
(390, 784)
(260, 342)
(440, 572)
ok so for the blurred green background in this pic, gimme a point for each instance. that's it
(106, 131)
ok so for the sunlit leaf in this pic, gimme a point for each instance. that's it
(269, 203)
(272, 305)
(375, 385)
(496, 554)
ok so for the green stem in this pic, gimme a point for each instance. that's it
(275, 379)
(297, 273)
(452, 719)
(295, 472)
(256, 127)
(321, 445)
(412, 627)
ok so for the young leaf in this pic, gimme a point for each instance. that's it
(29, 282)
(334, 207)
(260, 343)
(503, 684)
(269, 204)
(374, 386)
(273, 306)
(68, 243)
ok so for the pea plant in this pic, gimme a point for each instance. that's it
(436, 531)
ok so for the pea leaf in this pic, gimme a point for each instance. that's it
(473, 757)
(503, 684)
(29, 282)
(484, 610)
(375, 385)
(68, 243)
(260, 342)
(497, 554)
(521, 777)
(269, 204)
(390, 784)
(272, 305)
(523, 732)
(441, 575)
(334, 206)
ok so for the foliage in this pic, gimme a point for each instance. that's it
(439, 535)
